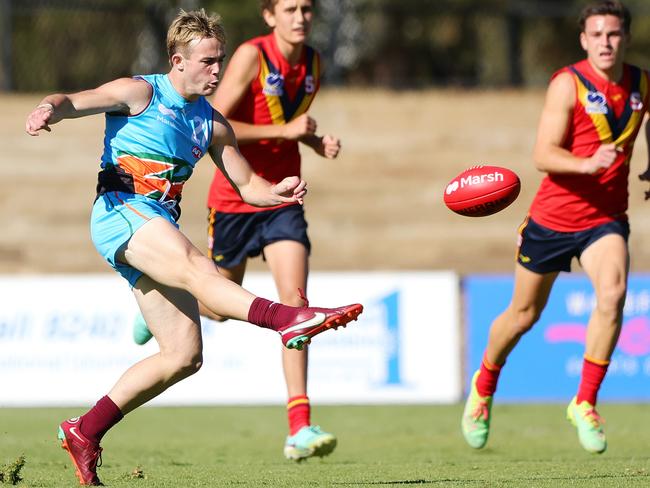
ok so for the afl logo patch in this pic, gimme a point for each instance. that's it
(196, 152)
(596, 103)
(636, 102)
(274, 85)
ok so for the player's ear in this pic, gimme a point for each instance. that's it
(269, 18)
(177, 61)
(583, 40)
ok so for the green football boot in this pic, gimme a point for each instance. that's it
(307, 442)
(476, 417)
(584, 417)
(141, 333)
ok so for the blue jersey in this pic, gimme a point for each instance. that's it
(154, 152)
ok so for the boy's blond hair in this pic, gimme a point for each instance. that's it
(188, 26)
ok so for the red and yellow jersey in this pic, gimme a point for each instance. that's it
(278, 94)
(604, 112)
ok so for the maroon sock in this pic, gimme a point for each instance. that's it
(486, 383)
(96, 422)
(593, 374)
(271, 315)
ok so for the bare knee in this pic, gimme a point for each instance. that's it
(610, 300)
(190, 366)
(524, 318)
(183, 365)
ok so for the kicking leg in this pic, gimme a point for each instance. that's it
(160, 251)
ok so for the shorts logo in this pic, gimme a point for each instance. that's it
(636, 102)
(596, 103)
(196, 152)
(274, 85)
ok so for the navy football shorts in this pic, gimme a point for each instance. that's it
(543, 250)
(234, 237)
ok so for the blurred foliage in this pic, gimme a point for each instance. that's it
(74, 44)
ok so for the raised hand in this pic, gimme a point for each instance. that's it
(39, 119)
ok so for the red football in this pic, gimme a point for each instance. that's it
(482, 190)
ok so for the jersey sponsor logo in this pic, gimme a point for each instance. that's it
(274, 85)
(167, 116)
(474, 180)
(196, 152)
(596, 103)
(168, 112)
(636, 101)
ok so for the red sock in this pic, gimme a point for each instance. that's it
(486, 383)
(593, 374)
(96, 422)
(298, 411)
(271, 315)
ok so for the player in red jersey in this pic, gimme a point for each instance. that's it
(592, 115)
(265, 94)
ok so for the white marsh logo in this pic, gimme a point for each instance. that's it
(473, 180)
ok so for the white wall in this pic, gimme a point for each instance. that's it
(64, 340)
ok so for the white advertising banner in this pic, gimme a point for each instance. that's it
(65, 340)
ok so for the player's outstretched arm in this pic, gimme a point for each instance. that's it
(549, 155)
(253, 189)
(125, 95)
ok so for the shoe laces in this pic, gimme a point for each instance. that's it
(170, 205)
(98, 459)
(481, 410)
(303, 297)
(592, 417)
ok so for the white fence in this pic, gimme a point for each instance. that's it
(64, 340)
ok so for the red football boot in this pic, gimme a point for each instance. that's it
(85, 455)
(311, 321)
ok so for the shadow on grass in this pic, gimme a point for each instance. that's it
(640, 474)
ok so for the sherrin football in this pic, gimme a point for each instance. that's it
(482, 190)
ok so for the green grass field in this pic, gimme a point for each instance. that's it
(530, 445)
